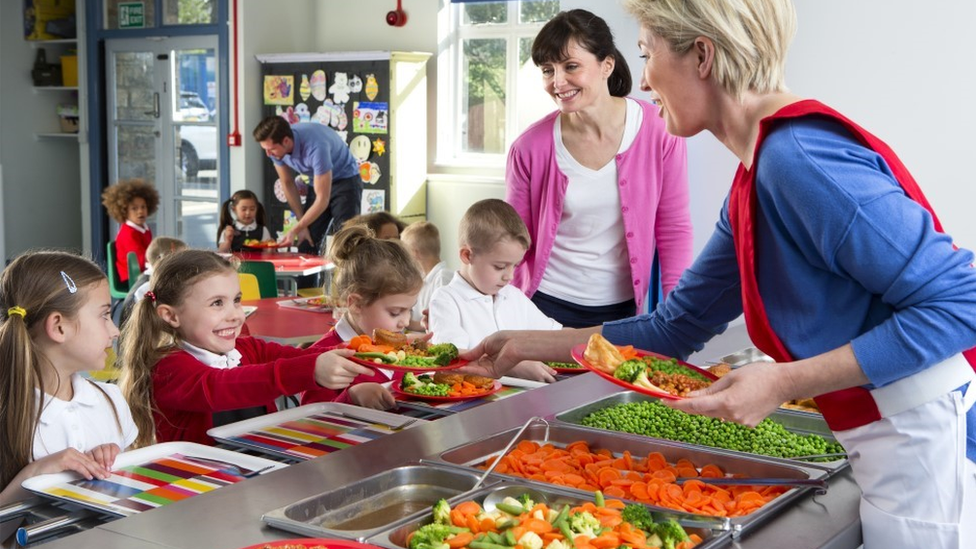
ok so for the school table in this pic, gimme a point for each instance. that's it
(285, 325)
(288, 264)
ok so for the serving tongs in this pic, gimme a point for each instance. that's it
(492, 499)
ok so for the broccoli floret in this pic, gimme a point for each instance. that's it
(442, 512)
(409, 379)
(526, 502)
(584, 523)
(639, 517)
(671, 533)
(635, 371)
(443, 353)
(431, 536)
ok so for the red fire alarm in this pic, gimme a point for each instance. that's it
(397, 17)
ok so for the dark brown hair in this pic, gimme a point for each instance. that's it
(274, 128)
(593, 34)
(39, 282)
(375, 221)
(116, 198)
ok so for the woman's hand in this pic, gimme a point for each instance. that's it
(371, 395)
(745, 395)
(533, 370)
(504, 350)
(334, 370)
(105, 454)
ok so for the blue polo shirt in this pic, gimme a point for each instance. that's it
(319, 150)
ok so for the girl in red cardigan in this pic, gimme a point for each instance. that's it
(377, 283)
(130, 203)
(185, 367)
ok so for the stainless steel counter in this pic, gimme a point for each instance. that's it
(230, 517)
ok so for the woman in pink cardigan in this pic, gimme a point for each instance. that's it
(599, 182)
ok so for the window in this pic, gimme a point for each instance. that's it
(493, 89)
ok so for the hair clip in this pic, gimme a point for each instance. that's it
(72, 288)
(151, 296)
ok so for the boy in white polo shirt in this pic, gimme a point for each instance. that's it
(479, 300)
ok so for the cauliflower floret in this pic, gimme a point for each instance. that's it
(530, 540)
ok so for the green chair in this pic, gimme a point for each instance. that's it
(134, 271)
(265, 272)
(116, 288)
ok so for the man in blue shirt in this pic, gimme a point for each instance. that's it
(318, 152)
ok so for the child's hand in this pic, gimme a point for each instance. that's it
(334, 371)
(229, 233)
(70, 459)
(105, 454)
(371, 395)
(534, 370)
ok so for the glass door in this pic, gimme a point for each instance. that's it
(162, 127)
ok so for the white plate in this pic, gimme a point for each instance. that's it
(302, 304)
(249, 310)
(68, 486)
(366, 417)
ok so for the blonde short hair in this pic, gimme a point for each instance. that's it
(424, 238)
(490, 221)
(751, 37)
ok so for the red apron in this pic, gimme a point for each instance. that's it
(847, 408)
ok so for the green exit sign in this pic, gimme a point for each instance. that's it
(132, 15)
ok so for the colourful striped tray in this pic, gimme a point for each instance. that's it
(310, 431)
(152, 477)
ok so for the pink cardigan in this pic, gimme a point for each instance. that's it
(652, 175)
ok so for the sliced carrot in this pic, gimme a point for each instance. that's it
(607, 540)
(528, 446)
(608, 475)
(614, 491)
(460, 540)
(468, 508)
(472, 523)
(488, 525)
(458, 519)
(549, 537)
(538, 526)
(614, 504)
(712, 471)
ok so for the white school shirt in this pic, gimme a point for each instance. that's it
(462, 315)
(84, 422)
(221, 362)
(437, 277)
(589, 264)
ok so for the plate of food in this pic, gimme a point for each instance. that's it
(394, 351)
(641, 371)
(262, 244)
(311, 543)
(317, 304)
(566, 367)
(446, 386)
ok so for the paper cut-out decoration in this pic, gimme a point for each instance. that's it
(372, 88)
(343, 120)
(301, 182)
(340, 88)
(318, 85)
(370, 117)
(323, 115)
(305, 89)
(369, 172)
(379, 146)
(344, 135)
(301, 111)
(355, 84)
(360, 147)
(288, 114)
(279, 90)
(374, 200)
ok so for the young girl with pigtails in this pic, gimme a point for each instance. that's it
(185, 367)
(242, 220)
(56, 322)
(376, 282)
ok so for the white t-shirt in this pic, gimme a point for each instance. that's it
(84, 422)
(589, 264)
(437, 277)
(462, 315)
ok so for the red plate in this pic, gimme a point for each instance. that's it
(398, 392)
(265, 245)
(578, 357)
(565, 370)
(312, 542)
(456, 363)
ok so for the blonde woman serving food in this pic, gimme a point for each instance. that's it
(829, 247)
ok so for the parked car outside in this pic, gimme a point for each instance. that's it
(198, 142)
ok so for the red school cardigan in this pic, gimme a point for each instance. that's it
(332, 340)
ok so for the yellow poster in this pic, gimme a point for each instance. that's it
(279, 90)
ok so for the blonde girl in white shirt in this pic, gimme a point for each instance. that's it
(56, 322)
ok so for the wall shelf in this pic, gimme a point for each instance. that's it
(55, 88)
(36, 43)
(57, 135)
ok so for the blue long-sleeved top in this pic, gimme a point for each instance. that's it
(843, 256)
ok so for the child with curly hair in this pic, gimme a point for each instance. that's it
(130, 202)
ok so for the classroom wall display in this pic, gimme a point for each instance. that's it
(370, 117)
(373, 200)
(279, 89)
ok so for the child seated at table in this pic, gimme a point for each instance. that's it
(424, 242)
(479, 300)
(158, 249)
(384, 225)
(242, 220)
(185, 367)
(130, 203)
(376, 283)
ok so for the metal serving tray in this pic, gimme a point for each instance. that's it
(798, 422)
(364, 507)
(396, 536)
(560, 434)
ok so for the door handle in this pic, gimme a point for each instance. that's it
(155, 112)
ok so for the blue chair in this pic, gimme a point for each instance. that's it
(116, 288)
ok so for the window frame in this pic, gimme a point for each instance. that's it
(451, 80)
